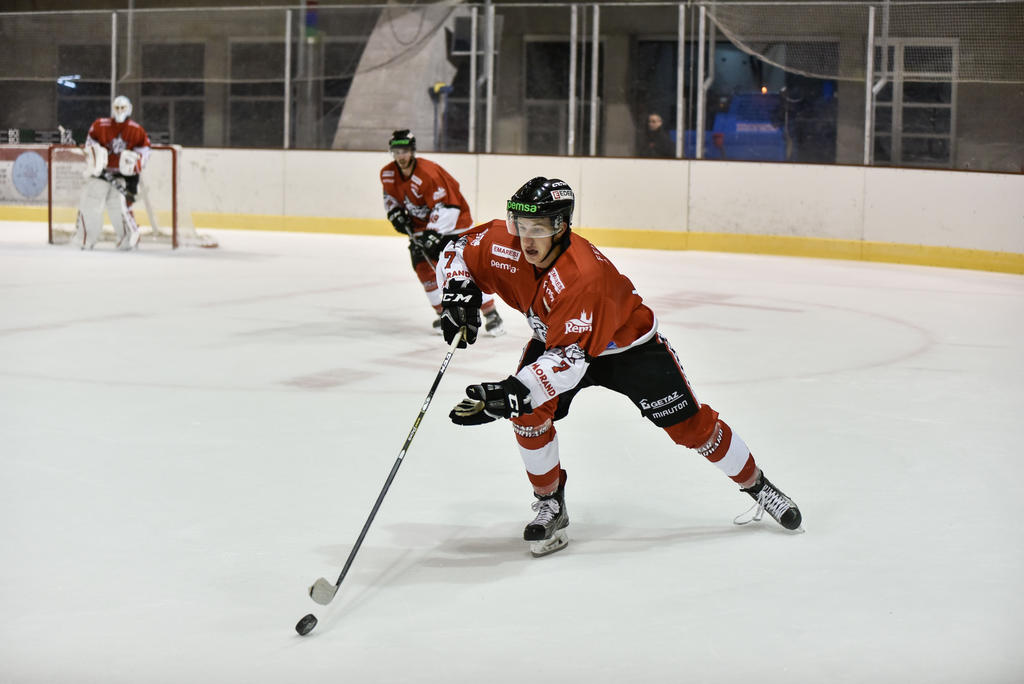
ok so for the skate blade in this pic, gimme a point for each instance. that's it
(558, 541)
(755, 514)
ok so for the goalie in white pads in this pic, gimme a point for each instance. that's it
(116, 151)
(590, 328)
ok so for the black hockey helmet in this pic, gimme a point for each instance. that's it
(541, 197)
(402, 139)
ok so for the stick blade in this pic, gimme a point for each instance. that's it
(323, 591)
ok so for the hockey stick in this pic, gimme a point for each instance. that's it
(322, 590)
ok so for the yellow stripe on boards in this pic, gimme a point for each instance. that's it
(820, 248)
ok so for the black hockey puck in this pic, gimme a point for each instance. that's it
(306, 625)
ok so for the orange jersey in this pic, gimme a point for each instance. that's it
(118, 137)
(580, 307)
(431, 196)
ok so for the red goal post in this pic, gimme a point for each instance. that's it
(160, 208)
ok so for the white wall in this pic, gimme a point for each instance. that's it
(777, 199)
(946, 209)
(935, 208)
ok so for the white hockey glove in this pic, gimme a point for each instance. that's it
(95, 160)
(128, 162)
(491, 400)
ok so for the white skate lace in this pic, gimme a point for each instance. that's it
(753, 514)
(773, 501)
(547, 510)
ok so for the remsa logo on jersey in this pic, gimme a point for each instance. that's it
(506, 252)
(585, 323)
(439, 193)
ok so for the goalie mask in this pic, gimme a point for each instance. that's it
(121, 109)
(541, 208)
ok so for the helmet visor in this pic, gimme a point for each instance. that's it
(533, 226)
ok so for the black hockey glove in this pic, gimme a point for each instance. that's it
(430, 243)
(400, 220)
(490, 400)
(461, 301)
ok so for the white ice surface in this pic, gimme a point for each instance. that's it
(188, 440)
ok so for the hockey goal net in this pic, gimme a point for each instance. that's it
(160, 208)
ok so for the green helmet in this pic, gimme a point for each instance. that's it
(402, 139)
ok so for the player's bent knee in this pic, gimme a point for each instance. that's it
(531, 433)
(695, 430)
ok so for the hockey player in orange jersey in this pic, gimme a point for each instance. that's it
(590, 327)
(423, 201)
(116, 151)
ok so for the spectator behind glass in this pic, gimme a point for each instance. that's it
(654, 141)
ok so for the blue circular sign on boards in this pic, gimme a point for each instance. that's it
(29, 174)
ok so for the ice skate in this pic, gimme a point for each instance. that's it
(437, 326)
(770, 498)
(493, 325)
(546, 533)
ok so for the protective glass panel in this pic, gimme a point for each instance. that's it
(927, 91)
(925, 150)
(928, 58)
(784, 77)
(926, 120)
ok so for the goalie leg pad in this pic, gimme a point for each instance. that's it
(126, 230)
(90, 212)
